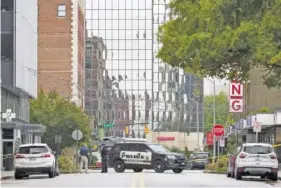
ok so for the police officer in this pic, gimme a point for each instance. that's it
(104, 158)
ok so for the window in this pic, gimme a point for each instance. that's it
(33, 150)
(61, 11)
(258, 149)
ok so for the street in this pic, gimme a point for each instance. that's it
(133, 180)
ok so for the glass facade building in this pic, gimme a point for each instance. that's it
(139, 89)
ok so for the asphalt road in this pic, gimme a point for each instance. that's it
(133, 180)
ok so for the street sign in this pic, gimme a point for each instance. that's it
(257, 126)
(210, 138)
(108, 125)
(218, 130)
(222, 142)
(235, 97)
(77, 135)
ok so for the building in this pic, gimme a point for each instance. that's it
(94, 79)
(18, 75)
(257, 95)
(270, 129)
(154, 91)
(61, 48)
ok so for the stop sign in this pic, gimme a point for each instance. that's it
(218, 130)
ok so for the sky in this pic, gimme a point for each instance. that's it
(221, 85)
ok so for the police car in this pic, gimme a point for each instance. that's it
(142, 155)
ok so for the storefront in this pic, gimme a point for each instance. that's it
(13, 135)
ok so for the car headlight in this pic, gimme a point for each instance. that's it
(171, 157)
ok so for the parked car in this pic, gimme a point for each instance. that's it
(199, 160)
(231, 162)
(35, 158)
(256, 159)
(97, 162)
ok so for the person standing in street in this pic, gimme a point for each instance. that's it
(84, 154)
(104, 158)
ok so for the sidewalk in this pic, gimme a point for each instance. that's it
(279, 174)
(7, 175)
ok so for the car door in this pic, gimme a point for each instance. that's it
(146, 153)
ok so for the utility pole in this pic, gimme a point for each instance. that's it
(197, 119)
(214, 118)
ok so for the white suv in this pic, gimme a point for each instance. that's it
(256, 159)
(35, 159)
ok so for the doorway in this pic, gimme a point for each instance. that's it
(7, 152)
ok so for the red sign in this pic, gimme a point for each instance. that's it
(218, 130)
(210, 138)
(165, 138)
(235, 97)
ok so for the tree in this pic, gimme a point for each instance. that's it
(224, 38)
(223, 117)
(60, 117)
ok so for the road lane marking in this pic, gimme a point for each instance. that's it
(134, 181)
(142, 180)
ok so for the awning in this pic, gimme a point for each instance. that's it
(24, 127)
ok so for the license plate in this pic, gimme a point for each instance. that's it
(183, 163)
(32, 159)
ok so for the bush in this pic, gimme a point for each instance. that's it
(210, 167)
(66, 165)
(221, 165)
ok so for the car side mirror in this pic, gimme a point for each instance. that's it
(54, 152)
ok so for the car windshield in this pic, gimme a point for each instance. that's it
(158, 148)
(201, 155)
(258, 149)
(33, 150)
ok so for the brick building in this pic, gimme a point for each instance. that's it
(61, 52)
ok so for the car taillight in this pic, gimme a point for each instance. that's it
(242, 155)
(18, 156)
(46, 155)
(273, 156)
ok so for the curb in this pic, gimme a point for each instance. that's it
(212, 172)
(7, 177)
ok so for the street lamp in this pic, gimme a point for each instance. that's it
(214, 114)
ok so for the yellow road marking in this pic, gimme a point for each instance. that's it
(142, 180)
(134, 181)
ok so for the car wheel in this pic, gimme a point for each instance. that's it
(18, 176)
(274, 177)
(119, 166)
(52, 172)
(159, 166)
(137, 169)
(228, 174)
(177, 171)
(237, 175)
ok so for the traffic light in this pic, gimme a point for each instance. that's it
(127, 130)
(146, 130)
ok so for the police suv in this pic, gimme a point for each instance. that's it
(142, 155)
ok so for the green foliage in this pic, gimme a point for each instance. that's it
(219, 167)
(187, 152)
(60, 117)
(224, 38)
(175, 149)
(232, 143)
(66, 165)
(261, 110)
(223, 117)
